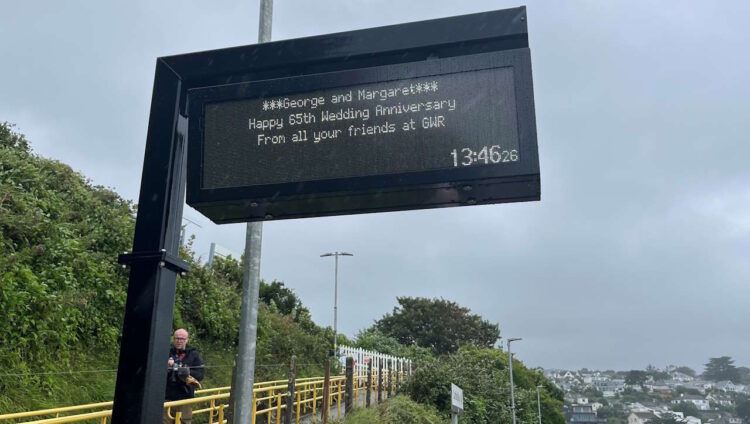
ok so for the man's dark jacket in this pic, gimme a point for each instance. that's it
(177, 389)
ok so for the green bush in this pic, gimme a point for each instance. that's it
(483, 375)
(61, 290)
(372, 339)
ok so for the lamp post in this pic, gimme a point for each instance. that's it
(182, 229)
(335, 292)
(539, 403)
(510, 368)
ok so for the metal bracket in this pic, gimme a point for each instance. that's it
(162, 258)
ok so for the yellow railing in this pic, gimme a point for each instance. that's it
(269, 400)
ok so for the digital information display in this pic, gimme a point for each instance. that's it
(463, 119)
(412, 116)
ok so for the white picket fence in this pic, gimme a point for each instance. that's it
(362, 357)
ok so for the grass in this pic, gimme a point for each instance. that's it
(398, 410)
(92, 380)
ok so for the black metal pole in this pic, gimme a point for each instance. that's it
(369, 383)
(349, 389)
(154, 262)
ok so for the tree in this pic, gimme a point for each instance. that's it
(612, 413)
(686, 370)
(744, 374)
(687, 408)
(372, 339)
(743, 410)
(636, 378)
(284, 298)
(593, 394)
(11, 139)
(720, 369)
(438, 324)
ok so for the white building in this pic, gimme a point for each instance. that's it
(641, 417)
(699, 402)
(721, 399)
(683, 378)
(728, 386)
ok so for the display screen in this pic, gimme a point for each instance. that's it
(446, 121)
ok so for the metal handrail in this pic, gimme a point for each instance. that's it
(268, 399)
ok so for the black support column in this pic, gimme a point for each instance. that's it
(154, 262)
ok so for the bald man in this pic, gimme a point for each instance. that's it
(183, 361)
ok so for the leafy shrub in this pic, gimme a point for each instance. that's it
(61, 291)
(372, 339)
(483, 375)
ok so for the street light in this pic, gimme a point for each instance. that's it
(510, 368)
(539, 403)
(335, 291)
(182, 229)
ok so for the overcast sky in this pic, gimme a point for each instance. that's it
(638, 252)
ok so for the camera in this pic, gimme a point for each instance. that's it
(173, 371)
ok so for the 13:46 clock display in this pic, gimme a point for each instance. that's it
(486, 155)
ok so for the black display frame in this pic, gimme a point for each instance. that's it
(326, 189)
(457, 44)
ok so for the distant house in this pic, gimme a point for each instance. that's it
(659, 386)
(641, 417)
(707, 385)
(719, 399)
(553, 374)
(637, 407)
(583, 414)
(728, 386)
(699, 402)
(728, 420)
(678, 376)
(700, 386)
(647, 407)
(680, 417)
(610, 388)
